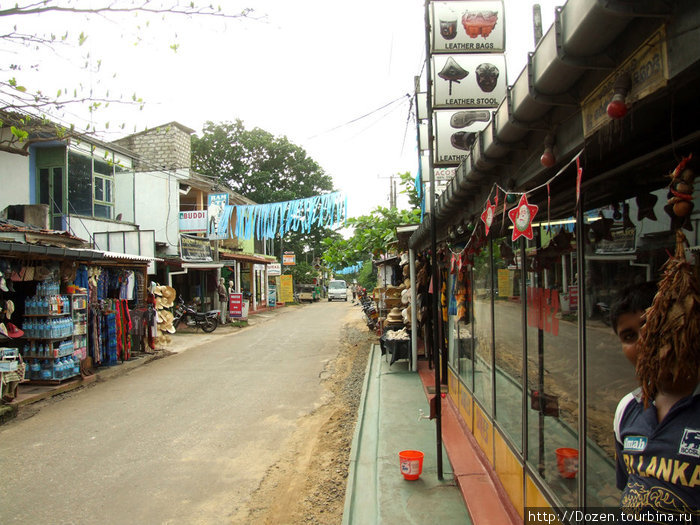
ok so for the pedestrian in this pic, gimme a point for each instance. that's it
(223, 303)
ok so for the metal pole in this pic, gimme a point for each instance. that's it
(433, 248)
(414, 310)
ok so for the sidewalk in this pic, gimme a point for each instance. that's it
(388, 422)
(183, 340)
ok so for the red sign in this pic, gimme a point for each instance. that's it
(542, 309)
(573, 297)
(235, 304)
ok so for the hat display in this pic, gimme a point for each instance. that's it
(165, 321)
(394, 316)
(168, 294)
(3, 284)
(9, 308)
(11, 330)
(404, 259)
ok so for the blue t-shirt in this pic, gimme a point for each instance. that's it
(658, 464)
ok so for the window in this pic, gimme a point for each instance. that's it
(483, 328)
(91, 184)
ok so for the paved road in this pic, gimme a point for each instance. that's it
(182, 440)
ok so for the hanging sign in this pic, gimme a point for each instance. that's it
(289, 259)
(195, 249)
(455, 134)
(217, 203)
(193, 221)
(468, 81)
(521, 216)
(467, 27)
(274, 269)
(648, 70)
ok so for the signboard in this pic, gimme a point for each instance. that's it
(456, 132)
(217, 201)
(573, 297)
(286, 289)
(505, 283)
(422, 106)
(467, 27)
(274, 269)
(648, 69)
(235, 305)
(289, 259)
(468, 81)
(195, 249)
(272, 295)
(623, 241)
(193, 221)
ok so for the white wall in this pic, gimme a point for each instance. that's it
(84, 227)
(157, 206)
(14, 179)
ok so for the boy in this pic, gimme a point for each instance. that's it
(657, 446)
(626, 316)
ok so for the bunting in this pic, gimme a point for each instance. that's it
(265, 221)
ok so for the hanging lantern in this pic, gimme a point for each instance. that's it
(617, 108)
(548, 159)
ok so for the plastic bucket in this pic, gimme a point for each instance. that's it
(411, 462)
(567, 462)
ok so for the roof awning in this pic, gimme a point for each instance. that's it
(202, 265)
(16, 249)
(244, 258)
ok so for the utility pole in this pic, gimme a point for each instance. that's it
(392, 190)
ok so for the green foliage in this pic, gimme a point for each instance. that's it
(302, 272)
(408, 182)
(264, 168)
(373, 235)
(367, 276)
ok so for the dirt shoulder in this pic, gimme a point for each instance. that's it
(308, 485)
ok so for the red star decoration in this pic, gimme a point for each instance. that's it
(521, 216)
(487, 215)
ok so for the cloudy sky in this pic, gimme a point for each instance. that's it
(307, 69)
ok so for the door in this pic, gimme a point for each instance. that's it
(51, 192)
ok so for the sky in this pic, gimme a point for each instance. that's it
(306, 69)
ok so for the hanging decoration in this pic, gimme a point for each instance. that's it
(487, 215)
(645, 206)
(521, 216)
(680, 195)
(600, 229)
(265, 221)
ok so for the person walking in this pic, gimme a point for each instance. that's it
(223, 300)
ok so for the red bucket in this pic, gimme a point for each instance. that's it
(567, 462)
(411, 462)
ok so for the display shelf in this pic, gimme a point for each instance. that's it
(63, 314)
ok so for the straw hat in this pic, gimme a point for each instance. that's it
(168, 294)
(394, 316)
(165, 321)
(9, 308)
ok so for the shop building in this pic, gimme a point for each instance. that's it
(531, 362)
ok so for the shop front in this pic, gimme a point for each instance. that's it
(251, 277)
(533, 255)
(68, 310)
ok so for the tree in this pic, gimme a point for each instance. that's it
(302, 272)
(264, 168)
(408, 182)
(24, 110)
(373, 236)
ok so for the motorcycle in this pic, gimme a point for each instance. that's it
(186, 313)
(369, 311)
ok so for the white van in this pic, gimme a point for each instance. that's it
(337, 289)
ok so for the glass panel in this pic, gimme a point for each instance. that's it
(483, 293)
(103, 167)
(79, 184)
(99, 189)
(552, 358)
(508, 311)
(103, 211)
(57, 191)
(44, 186)
(626, 246)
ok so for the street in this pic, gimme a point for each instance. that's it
(185, 439)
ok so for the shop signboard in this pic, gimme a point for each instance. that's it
(289, 259)
(623, 241)
(274, 269)
(505, 283)
(193, 221)
(235, 305)
(217, 202)
(286, 289)
(195, 249)
(456, 132)
(648, 70)
(468, 81)
(272, 295)
(467, 27)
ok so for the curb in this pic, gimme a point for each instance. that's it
(355, 447)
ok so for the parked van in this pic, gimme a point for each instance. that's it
(337, 289)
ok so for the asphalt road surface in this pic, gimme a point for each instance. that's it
(185, 439)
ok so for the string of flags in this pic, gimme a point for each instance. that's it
(265, 221)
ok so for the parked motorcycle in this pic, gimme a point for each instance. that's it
(186, 313)
(369, 311)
